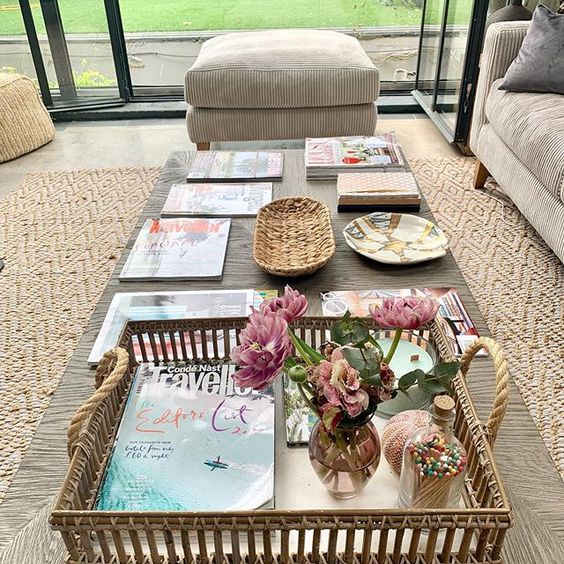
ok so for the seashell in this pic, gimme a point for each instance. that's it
(397, 431)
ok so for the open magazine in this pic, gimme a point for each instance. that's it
(141, 306)
(190, 439)
(456, 322)
(226, 200)
(236, 166)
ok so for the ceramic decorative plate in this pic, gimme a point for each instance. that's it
(396, 238)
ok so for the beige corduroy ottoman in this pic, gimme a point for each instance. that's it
(25, 124)
(280, 84)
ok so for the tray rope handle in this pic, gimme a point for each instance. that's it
(502, 381)
(111, 369)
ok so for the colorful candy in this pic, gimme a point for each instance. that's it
(434, 457)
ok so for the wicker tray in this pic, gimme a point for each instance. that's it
(293, 237)
(472, 534)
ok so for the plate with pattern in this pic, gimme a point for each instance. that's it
(396, 238)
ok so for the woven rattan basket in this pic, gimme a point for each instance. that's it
(293, 237)
(472, 534)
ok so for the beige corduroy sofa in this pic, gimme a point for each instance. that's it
(518, 138)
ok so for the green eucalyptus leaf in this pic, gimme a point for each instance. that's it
(429, 384)
(349, 331)
(376, 344)
(370, 378)
(409, 379)
(354, 357)
(446, 371)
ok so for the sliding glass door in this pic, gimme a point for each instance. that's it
(75, 51)
(164, 37)
(451, 38)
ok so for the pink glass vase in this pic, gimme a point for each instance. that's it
(346, 461)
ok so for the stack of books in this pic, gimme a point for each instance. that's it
(325, 158)
(377, 191)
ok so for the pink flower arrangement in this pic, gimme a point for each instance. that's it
(404, 313)
(264, 347)
(265, 342)
(349, 377)
(292, 305)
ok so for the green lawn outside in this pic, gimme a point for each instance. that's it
(87, 16)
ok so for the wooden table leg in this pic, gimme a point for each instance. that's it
(480, 175)
(205, 146)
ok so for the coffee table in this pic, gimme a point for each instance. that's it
(538, 498)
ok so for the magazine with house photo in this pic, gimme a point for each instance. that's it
(178, 249)
(184, 304)
(190, 439)
(236, 166)
(225, 200)
(327, 157)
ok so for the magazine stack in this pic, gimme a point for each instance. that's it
(325, 158)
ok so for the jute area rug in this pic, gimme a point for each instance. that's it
(63, 231)
(61, 234)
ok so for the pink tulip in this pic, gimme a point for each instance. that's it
(264, 347)
(404, 313)
(292, 305)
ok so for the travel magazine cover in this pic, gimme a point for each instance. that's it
(142, 306)
(191, 440)
(236, 166)
(226, 200)
(178, 249)
(327, 157)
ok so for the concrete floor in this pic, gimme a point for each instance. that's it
(100, 144)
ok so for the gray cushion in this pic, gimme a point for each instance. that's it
(281, 69)
(217, 124)
(539, 66)
(532, 126)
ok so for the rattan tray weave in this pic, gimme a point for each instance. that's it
(471, 534)
(293, 237)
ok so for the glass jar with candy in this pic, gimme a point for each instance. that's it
(434, 462)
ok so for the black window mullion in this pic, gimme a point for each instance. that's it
(59, 50)
(440, 56)
(119, 49)
(36, 55)
(471, 70)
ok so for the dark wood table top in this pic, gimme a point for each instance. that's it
(537, 496)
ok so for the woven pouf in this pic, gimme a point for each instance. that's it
(25, 124)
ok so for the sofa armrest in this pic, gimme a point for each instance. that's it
(502, 43)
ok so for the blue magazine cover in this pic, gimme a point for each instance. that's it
(191, 440)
